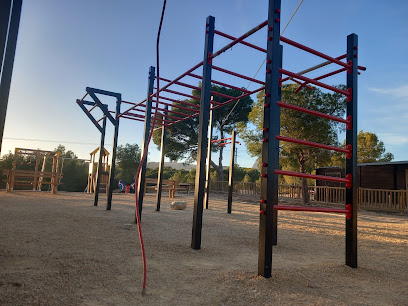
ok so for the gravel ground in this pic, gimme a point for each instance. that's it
(62, 250)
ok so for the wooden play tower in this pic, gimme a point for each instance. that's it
(93, 171)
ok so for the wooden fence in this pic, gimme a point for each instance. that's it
(373, 199)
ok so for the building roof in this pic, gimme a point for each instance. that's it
(403, 162)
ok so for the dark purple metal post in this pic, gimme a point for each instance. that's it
(270, 147)
(351, 163)
(8, 60)
(141, 186)
(161, 165)
(203, 135)
(208, 172)
(231, 173)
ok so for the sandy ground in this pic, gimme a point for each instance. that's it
(61, 250)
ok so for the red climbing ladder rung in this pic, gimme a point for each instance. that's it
(346, 180)
(347, 210)
(310, 50)
(315, 113)
(238, 75)
(312, 81)
(312, 144)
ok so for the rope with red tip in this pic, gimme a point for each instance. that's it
(139, 227)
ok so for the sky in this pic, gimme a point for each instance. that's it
(67, 45)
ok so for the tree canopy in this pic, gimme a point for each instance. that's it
(182, 138)
(370, 149)
(75, 172)
(127, 162)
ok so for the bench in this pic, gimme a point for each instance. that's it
(171, 186)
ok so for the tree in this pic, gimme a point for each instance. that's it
(5, 163)
(369, 150)
(182, 138)
(127, 162)
(299, 125)
(75, 172)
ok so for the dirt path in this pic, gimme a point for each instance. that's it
(62, 250)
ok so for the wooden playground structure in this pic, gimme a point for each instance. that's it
(37, 177)
(93, 172)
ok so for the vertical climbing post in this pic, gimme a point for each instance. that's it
(114, 149)
(203, 135)
(37, 163)
(208, 169)
(270, 146)
(10, 186)
(351, 140)
(5, 7)
(100, 169)
(161, 165)
(231, 172)
(148, 115)
(8, 57)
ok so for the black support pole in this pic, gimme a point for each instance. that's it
(5, 7)
(161, 165)
(208, 169)
(203, 135)
(148, 115)
(231, 173)
(100, 168)
(8, 59)
(275, 214)
(114, 149)
(351, 140)
(270, 146)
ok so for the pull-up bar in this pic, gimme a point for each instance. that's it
(198, 88)
(310, 50)
(238, 75)
(242, 41)
(179, 101)
(239, 39)
(219, 83)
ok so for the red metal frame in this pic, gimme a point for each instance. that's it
(302, 84)
(220, 83)
(241, 42)
(178, 106)
(238, 98)
(312, 112)
(238, 75)
(312, 144)
(218, 140)
(225, 143)
(346, 180)
(332, 88)
(198, 88)
(346, 211)
(239, 39)
(322, 77)
(181, 76)
(180, 94)
(134, 106)
(310, 50)
(127, 102)
(225, 103)
(180, 101)
(162, 109)
(322, 65)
